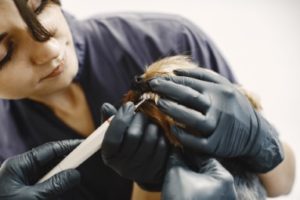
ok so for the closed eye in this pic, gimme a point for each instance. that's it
(42, 4)
(8, 55)
(37, 6)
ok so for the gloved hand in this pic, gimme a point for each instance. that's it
(210, 104)
(19, 174)
(211, 182)
(134, 147)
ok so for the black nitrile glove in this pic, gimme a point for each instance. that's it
(210, 104)
(210, 182)
(134, 147)
(19, 174)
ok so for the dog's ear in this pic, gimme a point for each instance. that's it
(252, 97)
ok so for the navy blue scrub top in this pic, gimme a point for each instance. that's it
(111, 50)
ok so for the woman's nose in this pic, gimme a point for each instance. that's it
(45, 52)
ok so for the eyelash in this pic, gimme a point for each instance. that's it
(39, 9)
(10, 48)
(8, 55)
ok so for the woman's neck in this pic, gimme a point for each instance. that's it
(62, 101)
(71, 106)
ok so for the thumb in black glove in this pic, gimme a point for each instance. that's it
(107, 110)
(211, 182)
(18, 174)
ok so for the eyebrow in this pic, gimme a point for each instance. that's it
(2, 36)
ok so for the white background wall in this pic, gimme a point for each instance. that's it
(259, 38)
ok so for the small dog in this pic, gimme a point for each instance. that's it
(247, 184)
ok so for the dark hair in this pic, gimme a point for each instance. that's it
(38, 31)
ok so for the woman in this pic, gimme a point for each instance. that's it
(55, 74)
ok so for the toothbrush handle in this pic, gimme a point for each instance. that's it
(81, 153)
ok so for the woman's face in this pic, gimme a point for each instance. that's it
(29, 68)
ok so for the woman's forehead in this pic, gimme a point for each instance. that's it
(7, 8)
(9, 16)
(4, 4)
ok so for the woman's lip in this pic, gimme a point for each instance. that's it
(57, 71)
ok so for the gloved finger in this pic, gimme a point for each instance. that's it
(176, 89)
(107, 110)
(162, 149)
(149, 141)
(213, 168)
(156, 162)
(33, 161)
(58, 184)
(202, 74)
(176, 158)
(185, 115)
(178, 184)
(115, 133)
(49, 151)
(192, 142)
(134, 136)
